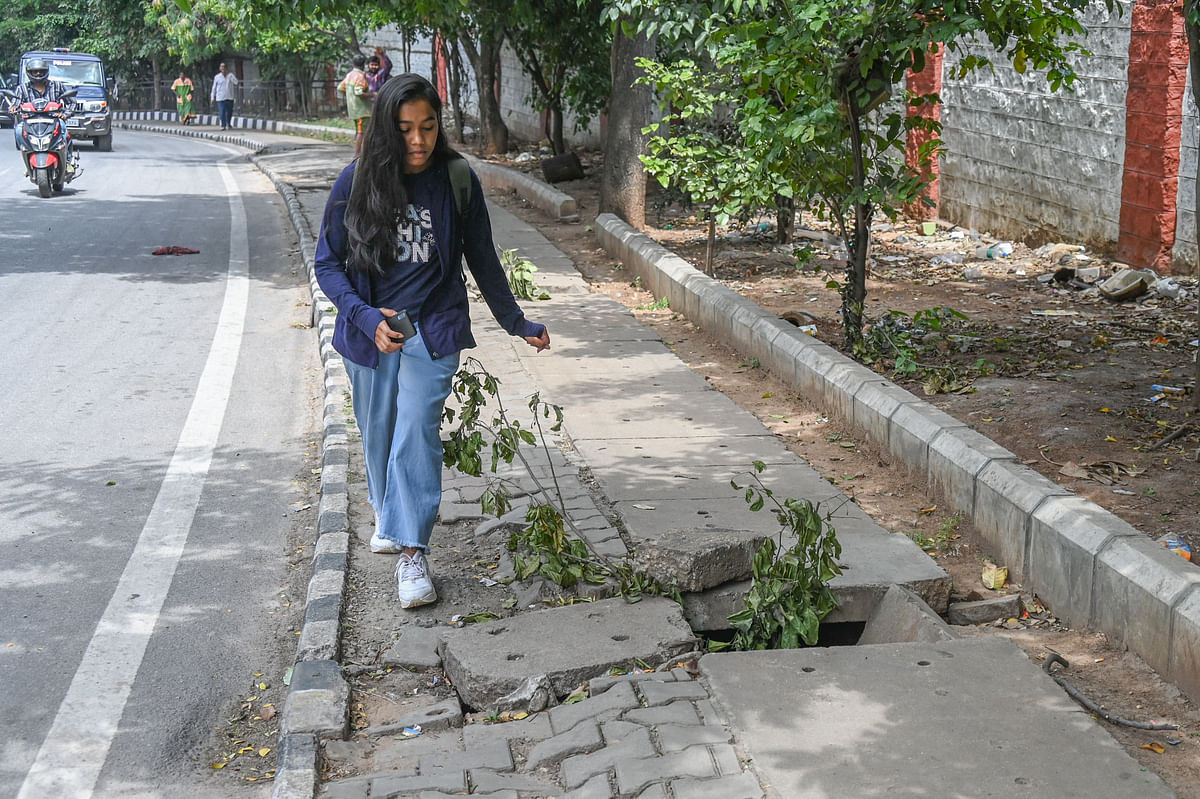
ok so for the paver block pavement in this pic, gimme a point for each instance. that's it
(676, 737)
(674, 713)
(696, 761)
(534, 728)
(595, 788)
(580, 739)
(733, 786)
(609, 705)
(662, 693)
(578, 769)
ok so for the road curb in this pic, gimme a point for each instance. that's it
(245, 123)
(1094, 569)
(297, 775)
(558, 205)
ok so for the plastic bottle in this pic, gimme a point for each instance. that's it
(1000, 250)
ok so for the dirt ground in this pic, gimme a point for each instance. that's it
(1068, 391)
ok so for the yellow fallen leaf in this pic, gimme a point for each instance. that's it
(218, 765)
(1105, 410)
(262, 686)
(1110, 438)
(245, 749)
(520, 715)
(266, 750)
(768, 395)
(1154, 746)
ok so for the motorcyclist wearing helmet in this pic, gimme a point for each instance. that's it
(39, 86)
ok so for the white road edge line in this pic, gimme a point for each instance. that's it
(76, 747)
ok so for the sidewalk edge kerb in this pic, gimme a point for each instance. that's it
(1005, 517)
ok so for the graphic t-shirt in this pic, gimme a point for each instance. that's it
(417, 269)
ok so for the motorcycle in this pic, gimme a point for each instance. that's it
(42, 138)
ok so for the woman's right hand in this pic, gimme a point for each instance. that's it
(386, 339)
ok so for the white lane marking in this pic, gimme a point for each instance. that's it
(73, 753)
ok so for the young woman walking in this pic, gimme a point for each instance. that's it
(392, 241)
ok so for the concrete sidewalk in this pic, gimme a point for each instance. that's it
(900, 716)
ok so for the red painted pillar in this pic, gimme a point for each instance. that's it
(1158, 65)
(439, 67)
(927, 81)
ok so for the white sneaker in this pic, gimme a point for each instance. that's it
(412, 581)
(383, 546)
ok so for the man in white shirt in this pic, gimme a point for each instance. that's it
(222, 94)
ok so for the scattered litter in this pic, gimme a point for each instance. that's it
(809, 329)
(999, 250)
(972, 273)
(1177, 390)
(525, 158)
(1177, 545)
(994, 577)
(409, 732)
(1127, 284)
(1154, 746)
(643, 507)
(1167, 287)
(174, 249)
(946, 258)
(296, 508)
(1053, 312)
(1124, 493)
(928, 228)
(1156, 397)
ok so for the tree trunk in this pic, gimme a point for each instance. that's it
(485, 59)
(557, 142)
(785, 218)
(710, 245)
(156, 70)
(454, 78)
(854, 293)
(623, 184)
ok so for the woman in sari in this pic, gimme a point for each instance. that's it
(184, 90)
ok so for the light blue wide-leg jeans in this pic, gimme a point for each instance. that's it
(398, 405)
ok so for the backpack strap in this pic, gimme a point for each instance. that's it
(460, 184)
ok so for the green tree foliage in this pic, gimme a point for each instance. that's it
(804, 83)
(37, 25)
(565, 50)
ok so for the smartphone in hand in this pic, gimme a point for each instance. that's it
(401, 324)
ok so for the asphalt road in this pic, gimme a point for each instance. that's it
(156, 412)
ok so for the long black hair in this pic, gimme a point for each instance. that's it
(378, 199)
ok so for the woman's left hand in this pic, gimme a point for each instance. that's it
(541, 342)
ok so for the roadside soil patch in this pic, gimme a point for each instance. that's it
(1067, 392)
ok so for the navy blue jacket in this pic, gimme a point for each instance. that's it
(445, 322)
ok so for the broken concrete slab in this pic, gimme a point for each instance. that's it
(985, 611)
(873, 561)
(570, 645)
(888, 718)
(697, 559)
(903, 616)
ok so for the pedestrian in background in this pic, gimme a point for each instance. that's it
(185, 94)
(379, 69)
(222, 94)
(358, 96)
(393, 240)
